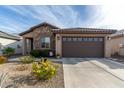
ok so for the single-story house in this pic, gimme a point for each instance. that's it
(115, 44)
(9, 40)
(67, 42)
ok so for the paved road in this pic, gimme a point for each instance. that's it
(92, 73)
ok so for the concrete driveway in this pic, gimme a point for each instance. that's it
(92, 73)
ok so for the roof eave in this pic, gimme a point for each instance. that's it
(32, 28)
(81, 31)
(18, 39)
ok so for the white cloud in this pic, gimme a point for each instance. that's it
(67, 17)
(109, 16)
(11, 25)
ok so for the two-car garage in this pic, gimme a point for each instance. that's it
(82, 46)
(82, 42)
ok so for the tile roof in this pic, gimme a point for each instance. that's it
(117, 34)
(31, 29)
(72, 30)
(9, 36)
(84, 30)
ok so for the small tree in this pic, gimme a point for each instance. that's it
(8, 51)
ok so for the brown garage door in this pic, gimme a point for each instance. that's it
(82, 47)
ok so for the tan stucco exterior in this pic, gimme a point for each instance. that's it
(113, 46)
(121, 51)
(58, 43)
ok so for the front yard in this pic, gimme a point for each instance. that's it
(19, 75)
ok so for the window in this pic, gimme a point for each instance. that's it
(100, 39)
(79, 39)
(69, 39)
(74, 39)
(45, 42)
(85, 39)
(90, 39)
(64, 39)
(95, 39)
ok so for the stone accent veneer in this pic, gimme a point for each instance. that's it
(42, 31)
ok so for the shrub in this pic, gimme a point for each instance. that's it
(44, 69)
(40, 53)
(2, 59)
(8, 51)
(58, 56)
(26, 59)
(36, 53)
(45, 53)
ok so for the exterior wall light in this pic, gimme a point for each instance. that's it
(109, 38)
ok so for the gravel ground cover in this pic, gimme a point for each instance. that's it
(19, 76)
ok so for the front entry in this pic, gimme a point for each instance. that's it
(29, 45)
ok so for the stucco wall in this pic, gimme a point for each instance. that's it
(4, 42)
(121, 51)
(58, 44)
(114, 47)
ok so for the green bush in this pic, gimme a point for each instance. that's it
(36, 53)
(8, 51)
(45, 53)
(27, 59)
(40, 53)
(44, 70)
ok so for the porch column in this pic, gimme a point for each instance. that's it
(24, 46)
(58, 44)
(108, 46)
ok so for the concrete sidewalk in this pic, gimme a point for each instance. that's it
(110, 66)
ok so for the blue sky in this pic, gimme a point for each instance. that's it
(16, 19)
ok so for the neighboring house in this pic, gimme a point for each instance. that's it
(69, 42)
(8, 40)
(116, 43)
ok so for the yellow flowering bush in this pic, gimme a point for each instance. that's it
(2, 59)
(44, 69)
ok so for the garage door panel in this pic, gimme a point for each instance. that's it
(82, 48)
